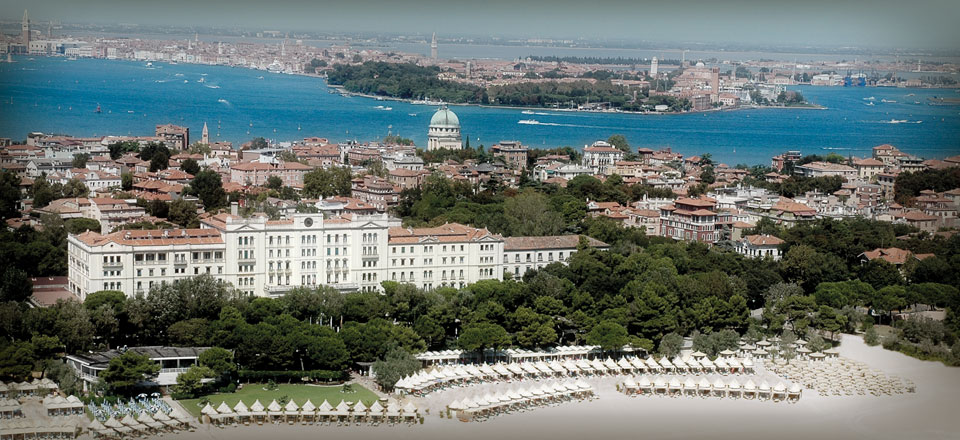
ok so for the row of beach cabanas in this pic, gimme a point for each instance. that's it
(36, 428)
(704, 388)
(308, 413)
(10, 408)
(57, 405)
(842, 377)
(145, 424)
(447, 376)
(36, 387)
(519, 399)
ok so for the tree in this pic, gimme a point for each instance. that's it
(396, 364)
(80, 160)
(879, 273)
(274, 182)
(126, 371)
(10, 195)
(327, 182)
(620, 142)
(531, 215)
(126, 181)
(259, 143)
(15, 285)
(208, 186)
(707, 175)
(609, 335)
(190, 166)
(218, 360)
(670, 345)
(80, 225)
(870, 337)
(16, 360)
(190, 383)
(118, 149)
(75, 188)
(183, 213)
(480, 336)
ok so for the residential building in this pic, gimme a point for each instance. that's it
(690, 220)
(760, 246)
(174, 136)
(601, 155)
(868, 169)
(521, 254)
(376, 191)
(514, 154)
(257, 173)
(825, 169)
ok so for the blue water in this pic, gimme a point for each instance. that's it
(54, 95)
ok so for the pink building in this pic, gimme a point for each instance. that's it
(257, 173)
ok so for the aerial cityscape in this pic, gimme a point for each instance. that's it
(436, 220)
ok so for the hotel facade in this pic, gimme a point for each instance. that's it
(262, 257)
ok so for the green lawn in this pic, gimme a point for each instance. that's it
(299, 393)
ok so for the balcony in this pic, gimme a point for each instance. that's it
(112, 264)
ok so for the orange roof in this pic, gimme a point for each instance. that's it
(260, 166)
(893, 255)
(448, 232)
(764, 240)
(154, 237)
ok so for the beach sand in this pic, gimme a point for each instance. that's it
(930, 413)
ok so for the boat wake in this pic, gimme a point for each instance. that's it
(225, 102)
(211, 86)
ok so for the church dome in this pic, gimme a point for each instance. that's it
(445, 118)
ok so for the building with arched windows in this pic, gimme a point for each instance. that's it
(444, 131)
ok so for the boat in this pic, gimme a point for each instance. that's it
(870, 103)
(202, 80)
(870, 98)
(528, 112)
(98, 109)
(260, 77)
(528, 121)
(388, 108)
(912, 94)
(379, 107)
(275, 67)
(411, 114)
(149, 64)
(129, 111)
(222, 101)
(896, 121)
(186, 81)
(887, 100)
(178, 74)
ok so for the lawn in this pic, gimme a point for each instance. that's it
(298, 393)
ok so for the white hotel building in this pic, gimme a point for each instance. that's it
(269, 257)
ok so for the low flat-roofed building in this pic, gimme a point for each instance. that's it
(172, 360)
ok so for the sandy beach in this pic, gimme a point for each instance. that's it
(928, 414)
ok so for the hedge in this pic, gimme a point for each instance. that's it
(290, 376)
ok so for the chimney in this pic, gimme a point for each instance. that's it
(234, 208)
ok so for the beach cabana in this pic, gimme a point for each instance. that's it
(629, 386)
(133, 424)
(291, 412)
(258, 412)
(225, 414)
(674, 387)
(764, 391)
(704, 387)
(208, 411)
(274, 412)
(733, 389)
(242, 412)
(360, 412)
(342, 412)
(308, 412)
(146, 419)
(410, 412)
(376, 412)
(749, 389)
(660, 386)
(392, 413)
(162, 417)
(779, 392)
(719, 388)
(689, 387)
(793, 393)
(326, 412)
(644, 386)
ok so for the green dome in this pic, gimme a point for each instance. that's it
(445, 118)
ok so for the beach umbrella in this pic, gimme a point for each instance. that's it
(308, 407)
(698, 354)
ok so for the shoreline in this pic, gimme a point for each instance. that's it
(344, 92)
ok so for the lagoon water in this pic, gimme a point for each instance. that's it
(55, 95)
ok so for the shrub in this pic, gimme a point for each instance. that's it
(871, 337)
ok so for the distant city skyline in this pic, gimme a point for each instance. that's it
(882, 23)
